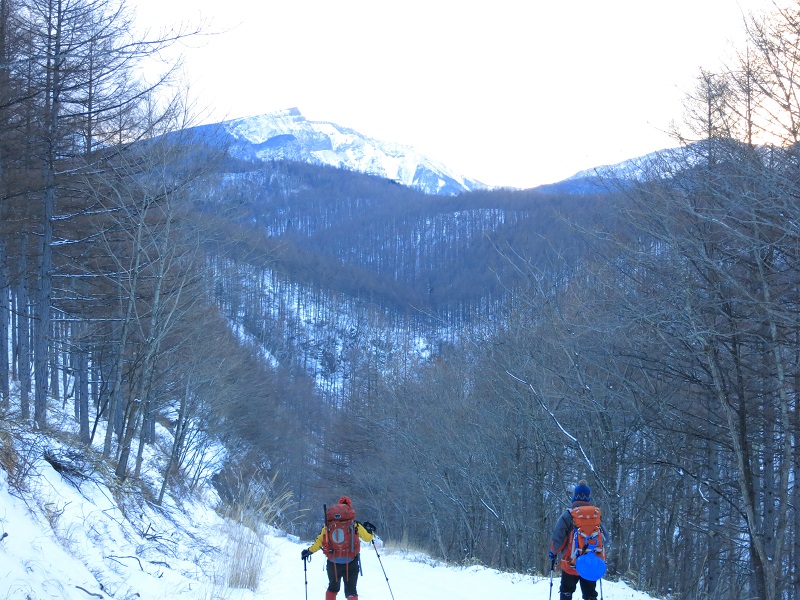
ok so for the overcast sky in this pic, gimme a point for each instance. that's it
(509, 92)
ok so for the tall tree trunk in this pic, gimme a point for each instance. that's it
(41, 333)
(181, 427)
(143, 436)
(131, 423)
(713, 526)
(115, 383)
(5, 320)
(82, 382)
(23, 340)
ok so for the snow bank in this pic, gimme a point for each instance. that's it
(77, 542)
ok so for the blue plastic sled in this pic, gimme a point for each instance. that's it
(590, 566)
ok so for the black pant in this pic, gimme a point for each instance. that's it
(348, 572)
(569, 582)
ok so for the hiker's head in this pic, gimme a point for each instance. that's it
(582, 492)
(345, 500)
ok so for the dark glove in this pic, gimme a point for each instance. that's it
(553, 557)
(370, 528)
(305, 554)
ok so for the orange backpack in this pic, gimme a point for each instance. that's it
(587, 536)
(341, 539)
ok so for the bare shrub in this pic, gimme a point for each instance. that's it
(9, 459)
(253, 506)
(18, 456)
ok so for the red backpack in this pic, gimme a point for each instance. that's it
(587, 536)
(341, 539)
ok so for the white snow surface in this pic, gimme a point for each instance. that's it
(95, 552)
(330, 144)
(77, 538)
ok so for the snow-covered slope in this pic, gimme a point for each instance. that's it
(609, 178)
(76, 533)
(288, 135)
(662, 164)
(76, 542)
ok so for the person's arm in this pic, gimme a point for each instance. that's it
(561, 533)
(317, 542)
(365, 531)
(606, 539)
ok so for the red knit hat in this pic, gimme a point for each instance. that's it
(345, 500)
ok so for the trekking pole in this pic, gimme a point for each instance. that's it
(601, 589)
(552, 567)
(382, 569)
(305, 573)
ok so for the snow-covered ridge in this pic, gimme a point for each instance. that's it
(287, 134)
(659, 164)
(669, 162)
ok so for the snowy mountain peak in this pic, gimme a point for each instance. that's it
(260, 128)
(288, 135)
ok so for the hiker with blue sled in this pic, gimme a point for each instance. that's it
(581, 541)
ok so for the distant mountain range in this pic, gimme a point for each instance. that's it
(288, 135)
(662, 164)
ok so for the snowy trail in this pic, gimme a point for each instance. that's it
(99, 554)
(412, 577)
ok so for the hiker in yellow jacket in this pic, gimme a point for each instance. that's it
(340, 540)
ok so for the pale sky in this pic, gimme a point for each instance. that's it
(509, 92)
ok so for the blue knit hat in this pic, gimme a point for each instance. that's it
(582, 492)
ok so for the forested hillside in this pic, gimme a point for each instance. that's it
(454, 363)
